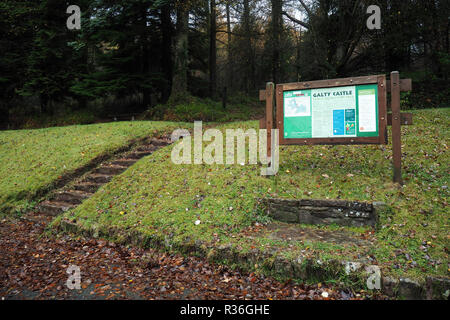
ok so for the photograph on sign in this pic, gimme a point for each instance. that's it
(298, 104)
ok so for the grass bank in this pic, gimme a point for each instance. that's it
(217, 205)
(32, 161)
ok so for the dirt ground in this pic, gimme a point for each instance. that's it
(34, 266)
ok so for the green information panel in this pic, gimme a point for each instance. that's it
(341, 112)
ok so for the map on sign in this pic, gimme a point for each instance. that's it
(341, 112)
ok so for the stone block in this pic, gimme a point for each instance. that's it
(438, 288)
(322, 212)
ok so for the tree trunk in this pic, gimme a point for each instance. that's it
(249, 61)
(145, 66)
(212, 50)
(4, 115)
(166, 59)
(229, 61)
(82, 103)
(298, 58)
(45, 104)
(277, 26)
(179, 83)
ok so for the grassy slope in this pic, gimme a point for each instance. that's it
(162, 199)
(31, 160)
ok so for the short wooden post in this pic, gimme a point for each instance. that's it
(269, 116)
(396, 127)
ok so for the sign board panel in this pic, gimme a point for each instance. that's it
(342, 111)
(331, 112)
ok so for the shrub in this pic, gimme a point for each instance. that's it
(189, 109)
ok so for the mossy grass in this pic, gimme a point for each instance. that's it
(158, 198)
(32, 161)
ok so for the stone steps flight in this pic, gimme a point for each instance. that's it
(65, 200)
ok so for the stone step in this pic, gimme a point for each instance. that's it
(124, 162)
(88, 187)
(53, 208)
(72, 197)
(67, 200)
(110, 170)
(160, 142)
(38, 217)
(98, 178)
(147, 148)
(139, 155)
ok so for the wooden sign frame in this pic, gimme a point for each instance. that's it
(379, 80)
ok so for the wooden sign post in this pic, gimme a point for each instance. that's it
(267, 122)
(348, 111)
(396, 127)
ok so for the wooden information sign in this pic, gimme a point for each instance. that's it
(350, 111)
